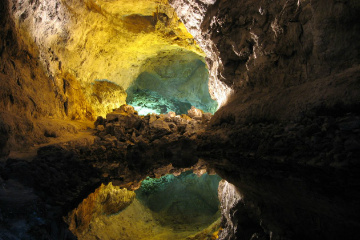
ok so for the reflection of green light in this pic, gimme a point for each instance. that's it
(145, 110)
(181, 196)
(150, 185)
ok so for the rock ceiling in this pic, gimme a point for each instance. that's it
(100, 39)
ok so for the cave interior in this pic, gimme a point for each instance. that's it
(179, 119)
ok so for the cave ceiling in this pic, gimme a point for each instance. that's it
(101, 40)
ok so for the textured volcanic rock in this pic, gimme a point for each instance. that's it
(56, 55)
(193, 13)
(298, 180)
(287, 136)
(125, 150)
(150, 140)
(266, 47)
(99, 39)
(27, 93)
(293, 70)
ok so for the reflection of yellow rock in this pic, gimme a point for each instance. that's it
(105, 200)
(140, 223)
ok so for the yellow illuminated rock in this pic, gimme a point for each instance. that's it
(106, 96)
(100, 39)
(169, 207)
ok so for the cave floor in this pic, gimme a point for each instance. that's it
(56, 132)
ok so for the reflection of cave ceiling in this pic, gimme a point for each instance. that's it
(168, 207)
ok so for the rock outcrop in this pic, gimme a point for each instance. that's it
(263, 50)
(293, 71)
(152, 139)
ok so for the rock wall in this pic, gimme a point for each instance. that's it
(192, 13)
(99, 39)
(261, 48)
(106, 200)
(28, 93)
(52, 53)
(285, 132)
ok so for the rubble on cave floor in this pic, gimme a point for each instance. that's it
(124, 126)
(126, 148)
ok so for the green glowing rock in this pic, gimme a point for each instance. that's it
(147, 101)
(172, 81)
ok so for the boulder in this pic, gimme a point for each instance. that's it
(152, 118)
(195, 113)
(185, 117)
(113, 117)
(206, 117)
(100, 127)
(124, 110)
(171, 114)
(172, 126)
(159, 128)
(127, 109)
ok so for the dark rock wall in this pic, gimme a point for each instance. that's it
(288, 136)
(297, 180)
(283, 43)
(261, 49)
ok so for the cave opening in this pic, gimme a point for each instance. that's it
(181, 206)
(172, 81)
